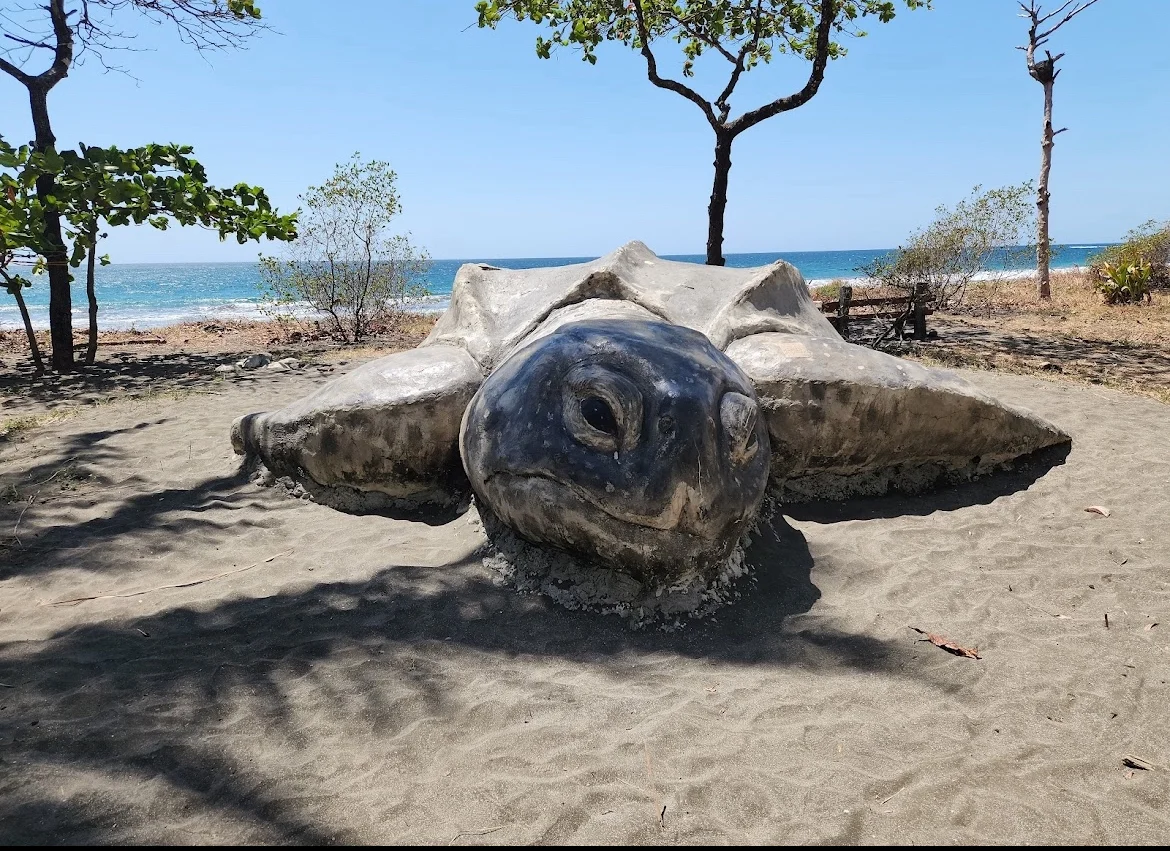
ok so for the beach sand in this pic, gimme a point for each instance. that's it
(189, 658)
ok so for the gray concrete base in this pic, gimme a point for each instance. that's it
(578, 584)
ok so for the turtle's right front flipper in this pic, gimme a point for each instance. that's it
(383, 436)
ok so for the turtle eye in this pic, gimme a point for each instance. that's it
(602, 409)
(597, 413)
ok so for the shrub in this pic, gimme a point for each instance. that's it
(946, 255)
(1149, 243)
(1124, 284)
(828, 292)
(345, 264)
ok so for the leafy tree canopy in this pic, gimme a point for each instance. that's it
(20, 220)
(762, 27)
(152, 184)
(743, 32)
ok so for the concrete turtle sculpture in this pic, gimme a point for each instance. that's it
(632, 412)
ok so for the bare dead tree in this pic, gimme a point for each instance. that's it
(1041, 27)
(67, 30)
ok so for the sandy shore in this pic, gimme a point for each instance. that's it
(186, 657)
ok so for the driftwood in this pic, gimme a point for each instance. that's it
(148, 341)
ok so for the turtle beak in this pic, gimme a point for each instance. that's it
(739, 415)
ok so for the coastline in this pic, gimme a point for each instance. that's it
(215, 337)
(158, 295)
(234, 331)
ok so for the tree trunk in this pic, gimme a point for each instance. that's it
(718, 204)
(56, 257)
(28, 329)
(1043, 246)
(91, 349)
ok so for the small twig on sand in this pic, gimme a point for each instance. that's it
(16, 528)
(475, 833)
(32, 499)
(635, 788)
(75, 600)
(1044, 611)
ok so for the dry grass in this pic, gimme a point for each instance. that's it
(12, 428)
(1073, 337)
(971, 357)
(1075, 310)
(832, 291)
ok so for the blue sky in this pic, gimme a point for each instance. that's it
(501, 154)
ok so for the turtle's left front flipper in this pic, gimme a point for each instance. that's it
(384, 435)
(846, 420)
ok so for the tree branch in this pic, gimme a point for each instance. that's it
(10, 69)
(1080, 7)
(748, 47)
(29, 42)
(663, 83)
(816, 76)
(63, 55)
(1043, 18)
(706, 39)
(1033, 12)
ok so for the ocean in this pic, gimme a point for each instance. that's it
(149, 295)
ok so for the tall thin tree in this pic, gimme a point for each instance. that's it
(1040, 27)
(56, 255)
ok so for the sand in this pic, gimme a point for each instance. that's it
(256, 668)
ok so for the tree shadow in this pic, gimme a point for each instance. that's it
(75, 461)
(1148, 364)
(89, 447)
(126, 374)
(1023, 473)
(204, 664)
(164, 520)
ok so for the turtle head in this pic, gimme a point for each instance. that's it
(635, 443)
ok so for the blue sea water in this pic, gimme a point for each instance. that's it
(149, 295)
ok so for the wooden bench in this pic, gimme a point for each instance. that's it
(844, 310)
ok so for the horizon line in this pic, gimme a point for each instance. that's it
(586, 257)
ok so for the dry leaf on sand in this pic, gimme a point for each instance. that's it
(1098, 509)
(946, 644)
(1131, 761)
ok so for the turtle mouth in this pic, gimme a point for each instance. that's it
(682, 515)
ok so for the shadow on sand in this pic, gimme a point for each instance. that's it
(402, 624)
(170, 518)
(1024, 473)
(204, 660)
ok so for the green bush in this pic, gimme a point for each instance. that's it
(1149, 244)
(828, 292)
(946, 255)
(345, 264)
(1124, 284)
